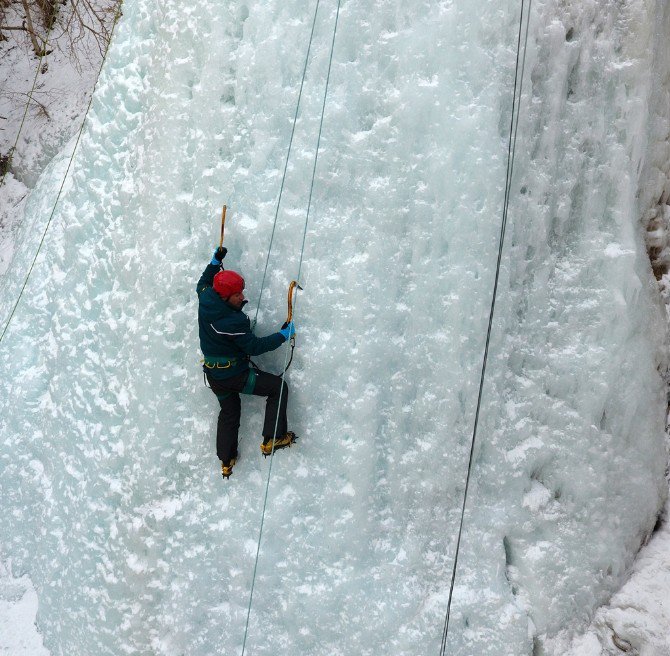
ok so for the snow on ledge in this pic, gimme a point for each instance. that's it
(18, 608)
(637, 618)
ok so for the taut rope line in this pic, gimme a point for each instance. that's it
(288, 154)
(67, 171)
(511, 148)
(302, 250)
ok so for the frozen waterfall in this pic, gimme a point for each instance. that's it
(111, 492)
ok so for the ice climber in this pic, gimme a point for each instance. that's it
(227, 342)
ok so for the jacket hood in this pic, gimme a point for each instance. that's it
(213, 307)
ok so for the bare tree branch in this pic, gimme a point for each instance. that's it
(39, 50)
(80, 29)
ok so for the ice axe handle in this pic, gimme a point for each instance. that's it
(291, 288)
(223, 225)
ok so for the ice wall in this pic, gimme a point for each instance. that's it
(577, 381)
(114, 500)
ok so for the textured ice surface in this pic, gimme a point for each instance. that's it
(113, 496)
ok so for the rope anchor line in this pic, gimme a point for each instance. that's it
(291, 288)
(511, 150)
(117, 15)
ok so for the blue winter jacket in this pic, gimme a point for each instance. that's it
(226, 338)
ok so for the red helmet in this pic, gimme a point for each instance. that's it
(227, 283)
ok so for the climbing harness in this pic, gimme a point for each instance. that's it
(302, 251)
(216, 362)
(67, 171)
(511, 149)
(249, 385)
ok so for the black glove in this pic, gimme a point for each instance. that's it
(219, 254)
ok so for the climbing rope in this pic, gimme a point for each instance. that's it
(43, 53)
(60, 190)
(287, 350)
(511, 150)
(288, 155)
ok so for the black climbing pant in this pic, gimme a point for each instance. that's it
(228, 391)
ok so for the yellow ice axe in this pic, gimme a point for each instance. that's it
(289, 317)
(291, 289)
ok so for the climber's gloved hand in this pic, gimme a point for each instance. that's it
(288, 330)
(219, 254)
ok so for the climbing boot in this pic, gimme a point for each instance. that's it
(227, 469)
(279, 443)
